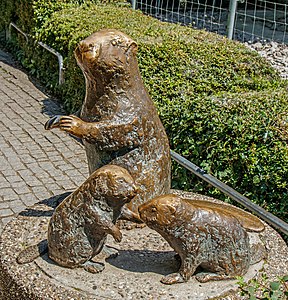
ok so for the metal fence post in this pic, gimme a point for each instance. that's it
(231, 18)
(133, 4)
(60, 61)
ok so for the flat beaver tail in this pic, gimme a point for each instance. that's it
(258, 252)
(30, 253)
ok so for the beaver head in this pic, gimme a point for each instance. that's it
(115, 184)
(160, 211)
(105, 52)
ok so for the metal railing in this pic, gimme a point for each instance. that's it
(48, 48)
(245, 20)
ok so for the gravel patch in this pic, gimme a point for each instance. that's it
(215, 21)
(275, 53)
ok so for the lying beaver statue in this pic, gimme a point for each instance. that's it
(204, 234)
(119, 123)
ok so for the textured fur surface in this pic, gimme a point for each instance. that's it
(203, 234)
(80, 224)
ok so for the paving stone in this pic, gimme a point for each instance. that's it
(4, 205)
(17, 206)
(32, 181)
(9, 171)
(42, 175)
(67, 184)
(52, 187)
(13, 179)
(6, 212)
(8, 194)
(21, 188)
(3, 182)
(28, 199)
(34, 163)
(27, 158)
(41, 192)
(24, 173)
(6, 219)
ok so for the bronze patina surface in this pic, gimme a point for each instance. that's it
(118, 122)
(80, 224)
(144, 258)
(204, 234)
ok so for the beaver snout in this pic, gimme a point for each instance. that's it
(136, 189)
(142, 215)
(88, 51)
(132, 193)
(144, 212)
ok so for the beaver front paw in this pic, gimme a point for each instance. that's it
(172, 278)
(52, 122)
(73, 125)
(93, 267)
(70, 124)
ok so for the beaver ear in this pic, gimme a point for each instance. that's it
(133, 47)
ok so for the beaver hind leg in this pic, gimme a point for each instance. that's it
(172, 279)
(93, 267)
(205, 277)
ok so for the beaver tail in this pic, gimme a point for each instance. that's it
(257, 253)
(30, 253)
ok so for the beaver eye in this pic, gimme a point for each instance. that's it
(114, 43)
(154, 209)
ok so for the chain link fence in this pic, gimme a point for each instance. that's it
(245, 20)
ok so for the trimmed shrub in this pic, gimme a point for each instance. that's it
(242, 139)
(176, 62)
(31, 14)
(223, 107)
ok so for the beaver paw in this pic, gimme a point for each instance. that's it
(205, 277)
(72, 124)
(172, 279)
(93, 267)
(117, 235)
(52, 122)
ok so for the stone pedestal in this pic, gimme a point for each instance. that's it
(144, 257)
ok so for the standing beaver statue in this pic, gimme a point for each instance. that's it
(204, 234)
(80, 224)
(118, 122)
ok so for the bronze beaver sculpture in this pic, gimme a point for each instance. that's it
(80, 224)
(118, 122)
(204, 234)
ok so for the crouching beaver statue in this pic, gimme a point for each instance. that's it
(118, 122)
(204, 234)
(80, 224)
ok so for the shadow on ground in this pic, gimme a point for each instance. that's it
(52, 202)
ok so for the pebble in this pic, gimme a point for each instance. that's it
(275, 53)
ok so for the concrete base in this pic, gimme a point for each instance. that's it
(144, 257)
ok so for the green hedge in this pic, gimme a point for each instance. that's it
(31, 14)
(224, 108)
